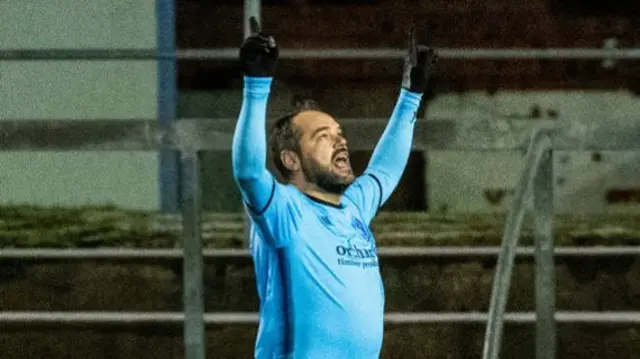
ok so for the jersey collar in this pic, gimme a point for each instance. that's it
(323, 202)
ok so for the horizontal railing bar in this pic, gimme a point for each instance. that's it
(334, 53)
(383, 252)
(496, 134)
(447, 53)
(10, 317)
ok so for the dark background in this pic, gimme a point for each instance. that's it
(343, 87)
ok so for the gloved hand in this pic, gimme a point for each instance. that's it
(259, 53)
(419, 64)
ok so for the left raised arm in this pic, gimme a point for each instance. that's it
(391, 154)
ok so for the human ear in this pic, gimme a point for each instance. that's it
(291, 160)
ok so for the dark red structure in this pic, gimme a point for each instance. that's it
(446, 23)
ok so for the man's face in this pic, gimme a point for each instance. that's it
(325, 156)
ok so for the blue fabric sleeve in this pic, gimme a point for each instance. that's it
(249, 148)
(270, 204)
(371, 190)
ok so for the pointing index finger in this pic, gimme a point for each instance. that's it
(254, 26)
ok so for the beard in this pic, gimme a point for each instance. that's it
(324, 178)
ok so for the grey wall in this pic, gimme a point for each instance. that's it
(78, 90)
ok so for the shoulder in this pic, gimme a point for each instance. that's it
(350, 205)
(287, 198)
(291, 193)
(367, 184)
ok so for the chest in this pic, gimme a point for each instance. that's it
(337, 233)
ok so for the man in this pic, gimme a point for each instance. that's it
(316, 263)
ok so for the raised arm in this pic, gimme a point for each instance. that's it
(391, 154)
(392, 151)
(249, 149)
(258, 57)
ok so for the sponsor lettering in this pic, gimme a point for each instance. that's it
(357, 257)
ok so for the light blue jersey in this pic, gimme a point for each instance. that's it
(316, 264)
(317, 272)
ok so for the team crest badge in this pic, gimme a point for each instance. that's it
(362, 229)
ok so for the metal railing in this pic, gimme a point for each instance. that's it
(604, 54)
(536, 179)
(153, 254)
(173, 318)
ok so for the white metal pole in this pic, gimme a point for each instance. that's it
(192, 265)
(251, 8)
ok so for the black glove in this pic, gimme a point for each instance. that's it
(259, 53)
(418, 65)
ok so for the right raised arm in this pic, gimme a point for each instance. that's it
(249, 150)
(258, 57)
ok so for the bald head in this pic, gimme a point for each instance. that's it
(310, 123)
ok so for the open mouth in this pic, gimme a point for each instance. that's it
(341, 160)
